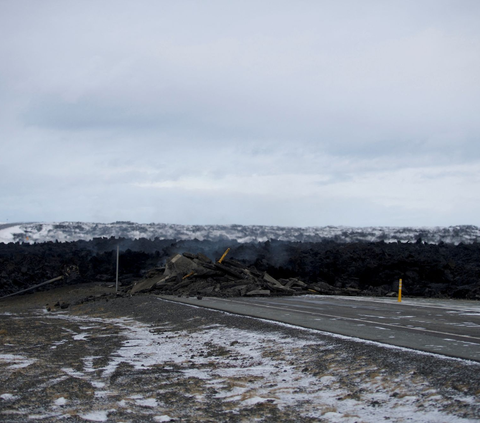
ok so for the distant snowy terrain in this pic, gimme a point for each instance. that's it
(74, 231)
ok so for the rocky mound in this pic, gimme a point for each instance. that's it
(195, 274)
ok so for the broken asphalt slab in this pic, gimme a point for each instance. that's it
(195, 274)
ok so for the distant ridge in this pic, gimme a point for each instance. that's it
(74, 231)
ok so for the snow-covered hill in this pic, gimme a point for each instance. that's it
(73, 231)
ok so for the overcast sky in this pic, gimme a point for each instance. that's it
(293, 113)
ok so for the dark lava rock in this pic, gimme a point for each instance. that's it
(429, 270)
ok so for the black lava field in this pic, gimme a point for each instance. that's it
(427, 270)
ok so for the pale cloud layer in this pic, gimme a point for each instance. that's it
(305, 113)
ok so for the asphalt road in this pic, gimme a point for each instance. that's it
(447, 327)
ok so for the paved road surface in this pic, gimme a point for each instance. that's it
(448, 327)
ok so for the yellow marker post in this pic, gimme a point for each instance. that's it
(187, 276)
(400, 291)
(224, 254)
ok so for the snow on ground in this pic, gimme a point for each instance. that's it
(239, 369)
(16, 361)
(73, 231)
(96, 416)
(8, 234)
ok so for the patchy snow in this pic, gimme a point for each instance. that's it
(60, 401)
(57, 344)
(8, 397)
(16, 361)
(80, 337)
(73, 231)
(247, 368)
(51, 416)
(73, 373)
(149, 402)
(96, 416)
(9, 234)
(237, 368)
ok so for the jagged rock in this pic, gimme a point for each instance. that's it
(228, 271)
(323, 288)
(189, 255)
(179, 264)
(165, 280)
(146, 284)
(274, 284)
(157, 271)
(203, 258)
(293, 283)
(271, 280)
(258, 292)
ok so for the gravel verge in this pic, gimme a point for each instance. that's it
(145, 359)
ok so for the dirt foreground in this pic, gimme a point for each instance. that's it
(143, 359)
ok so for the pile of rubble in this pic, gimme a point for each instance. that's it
(196, 275)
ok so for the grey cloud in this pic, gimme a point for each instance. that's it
(340, 137)
(91, 114)
(96, 97)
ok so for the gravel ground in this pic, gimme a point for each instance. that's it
(143, 359)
